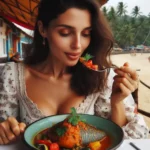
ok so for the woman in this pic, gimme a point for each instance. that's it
(52, 80)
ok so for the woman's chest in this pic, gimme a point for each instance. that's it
(52, 97)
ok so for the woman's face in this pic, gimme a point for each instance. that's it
(69, 35)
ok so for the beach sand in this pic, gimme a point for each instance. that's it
(138, 62)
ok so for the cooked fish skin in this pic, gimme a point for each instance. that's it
(91, 134)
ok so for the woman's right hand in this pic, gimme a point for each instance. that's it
(10, 129)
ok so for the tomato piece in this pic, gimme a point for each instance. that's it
(54, 146)
(95, 67)
(87, 64)
(46, 142)
(90, 62)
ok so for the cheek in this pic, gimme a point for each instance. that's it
(86, 43)
(54, 43)
(57, 42)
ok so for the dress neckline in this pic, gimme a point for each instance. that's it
(24, 92)
(80, 107)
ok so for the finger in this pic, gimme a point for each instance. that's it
(22, 127)
(121, 73)
(10, 135)
(3, 130)
(6, 132)
(14, 125)
(126, 83)
(133, 82)
(125, 91)
(125, 76)
(3, 136)
(126, 64)
(117, 76)
(5, 140)
(130, 71)
(1, 141)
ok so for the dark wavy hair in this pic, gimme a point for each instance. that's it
(83, 81)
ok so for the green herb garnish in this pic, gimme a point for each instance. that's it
(88, 56)
(61, 131)
(74, 118)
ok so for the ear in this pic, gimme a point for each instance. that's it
(42, 31)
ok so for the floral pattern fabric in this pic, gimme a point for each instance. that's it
(15, 102)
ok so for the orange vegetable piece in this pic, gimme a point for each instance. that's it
(95, 145)
(82, 59)
(95, 67)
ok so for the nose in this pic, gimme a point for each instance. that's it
(76, 42)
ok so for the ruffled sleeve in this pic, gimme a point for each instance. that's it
(136, 127)
(9, 105)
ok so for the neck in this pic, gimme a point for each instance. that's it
(52, 68)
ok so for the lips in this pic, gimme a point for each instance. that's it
(73, 56)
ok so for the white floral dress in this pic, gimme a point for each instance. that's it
(14, 102)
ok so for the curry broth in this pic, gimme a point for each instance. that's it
(43, 135)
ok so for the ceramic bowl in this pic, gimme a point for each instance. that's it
(112, 129)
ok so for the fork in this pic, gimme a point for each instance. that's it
(102, 70)
(105, 69)
(99, 70)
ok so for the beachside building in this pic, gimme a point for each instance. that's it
(12, 39)
(3, 52)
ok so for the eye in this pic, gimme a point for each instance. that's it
(86, 33)
(64, 32)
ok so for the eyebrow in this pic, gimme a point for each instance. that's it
(70, 27)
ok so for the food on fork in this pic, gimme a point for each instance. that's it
(86, 60)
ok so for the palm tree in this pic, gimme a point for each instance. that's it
(121, 9)
(136, 11)
(105, 11)
(112, 18)
(141, 20)
(136, 14)
(121, 15)
(148, 34)
(112, 14)
(126, 35)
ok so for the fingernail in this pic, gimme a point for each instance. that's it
(22, 130)
(126, 64)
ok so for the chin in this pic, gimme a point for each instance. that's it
(71, 64)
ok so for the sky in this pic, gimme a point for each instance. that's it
(143, 4)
